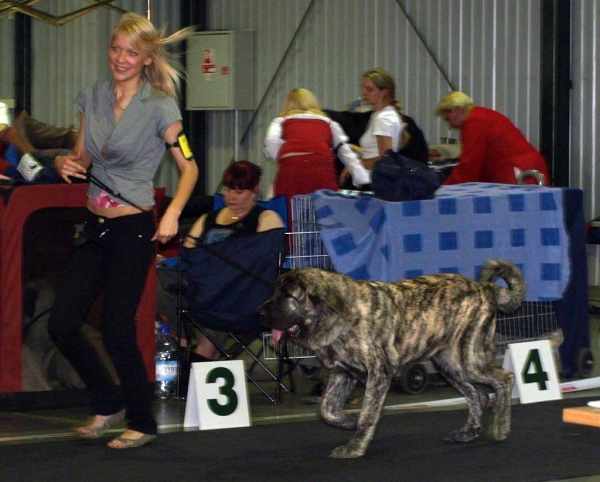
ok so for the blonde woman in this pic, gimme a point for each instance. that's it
(124, 125)
(301, 139)
(384, 130)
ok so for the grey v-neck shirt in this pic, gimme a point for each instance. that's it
(126, 155)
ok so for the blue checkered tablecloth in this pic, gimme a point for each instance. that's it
(457, 232)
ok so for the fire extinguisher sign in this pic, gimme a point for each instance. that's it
(208, 63)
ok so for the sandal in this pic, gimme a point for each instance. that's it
(99, 425)
(130, 443)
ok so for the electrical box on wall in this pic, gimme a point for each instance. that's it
(220, 70)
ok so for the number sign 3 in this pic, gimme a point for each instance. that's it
(217, 396)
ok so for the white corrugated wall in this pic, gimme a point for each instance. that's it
(7, 33)
(487, 48)
(585, 118)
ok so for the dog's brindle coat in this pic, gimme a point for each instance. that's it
(366, 331)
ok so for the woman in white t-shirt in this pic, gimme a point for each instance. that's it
(385, 125)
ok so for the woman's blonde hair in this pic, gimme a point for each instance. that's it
(383, 80)
(164, 72)
(301, 101)
(454, 99)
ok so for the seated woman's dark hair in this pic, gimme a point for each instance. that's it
(242, 175)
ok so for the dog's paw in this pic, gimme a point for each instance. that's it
(346, 452)
(462, 436)
(499, 432)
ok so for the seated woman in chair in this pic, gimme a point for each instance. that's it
(241, 216)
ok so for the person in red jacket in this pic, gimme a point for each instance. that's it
(493, 148)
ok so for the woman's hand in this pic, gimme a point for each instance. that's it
(357, 150)
(167, 228)
(70, 166)
(344, 177)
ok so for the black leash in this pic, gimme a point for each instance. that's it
(34, 319)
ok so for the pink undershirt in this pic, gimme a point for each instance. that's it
(102, 200)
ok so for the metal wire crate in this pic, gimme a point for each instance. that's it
(294, 351)
(305, 249)
(304, 241)
(532, 321)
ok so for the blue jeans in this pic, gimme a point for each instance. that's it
(116, 261)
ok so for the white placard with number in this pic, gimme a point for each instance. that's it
(532, 363)
(217, 396)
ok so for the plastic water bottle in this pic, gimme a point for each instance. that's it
(166, 363)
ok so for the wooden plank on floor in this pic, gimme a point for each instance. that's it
(582, 416)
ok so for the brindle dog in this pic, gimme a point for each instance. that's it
(366, 331)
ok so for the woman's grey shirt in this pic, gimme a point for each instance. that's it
(126, 155)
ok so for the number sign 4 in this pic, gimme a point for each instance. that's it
(532, 363)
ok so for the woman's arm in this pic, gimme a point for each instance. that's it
(384, 144)
(77, 162)
(169, 223)
(273, 140)
(386, 127)
(191, 238)
(268, 220)
(350, 160)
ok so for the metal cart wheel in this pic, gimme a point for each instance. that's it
(585, 363)
(413, 378)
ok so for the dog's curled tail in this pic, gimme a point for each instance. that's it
(508, 299)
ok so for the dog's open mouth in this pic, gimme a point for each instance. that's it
(293, 331)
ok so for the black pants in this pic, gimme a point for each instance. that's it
(116, 260)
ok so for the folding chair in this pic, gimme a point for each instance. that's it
(224, 284)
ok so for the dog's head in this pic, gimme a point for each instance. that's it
(305, 307)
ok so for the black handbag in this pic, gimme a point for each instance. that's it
(399, 178)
